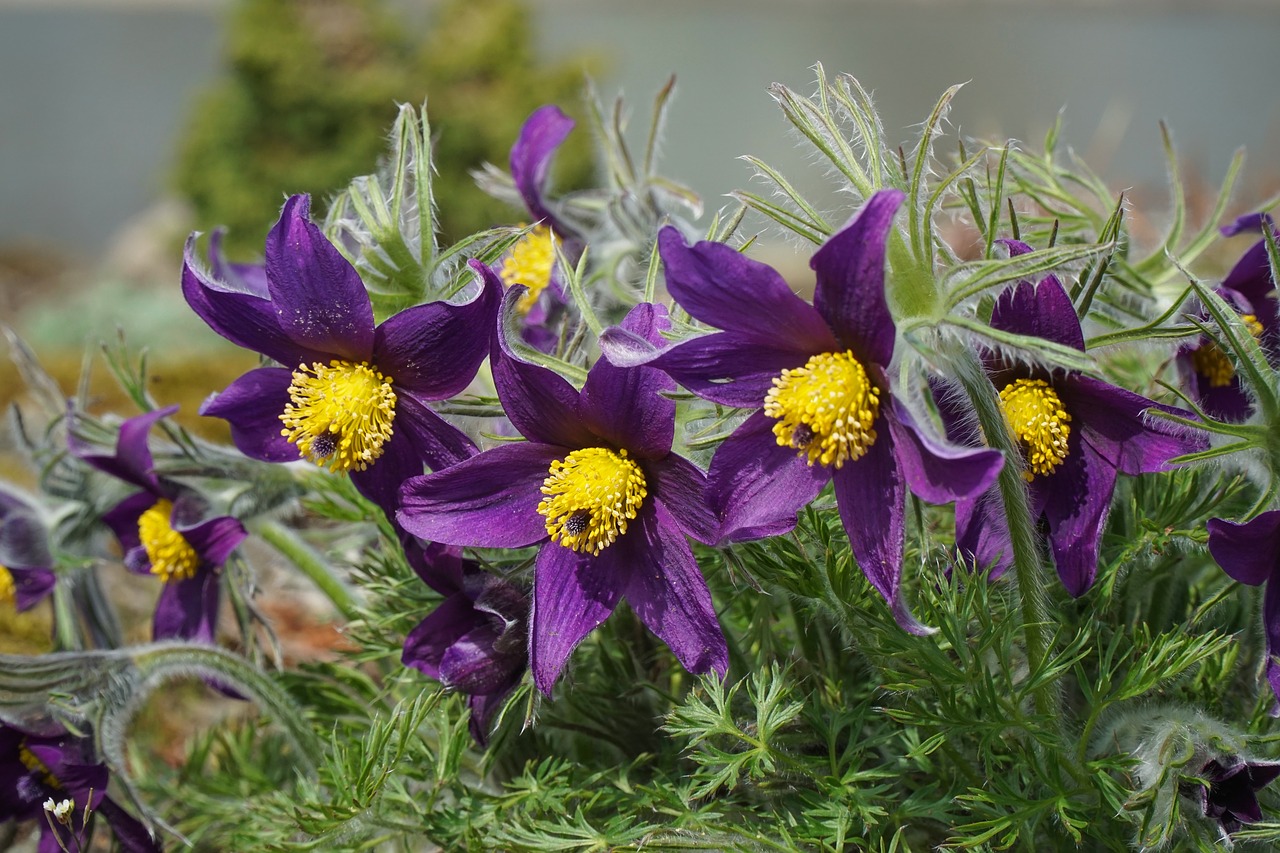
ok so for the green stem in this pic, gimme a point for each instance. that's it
(310, 563)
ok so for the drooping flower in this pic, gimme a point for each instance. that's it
(1209, 373)
(1076, 433)
(26, 574)
(818, 375)
(1231, 795)
(163, 532)
(1250, 554)
(598, 489)
(350, 397)
(35, 769)
(476, 641)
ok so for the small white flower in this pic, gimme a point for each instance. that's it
(60, 811)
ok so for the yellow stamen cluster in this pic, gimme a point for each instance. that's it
(172, 557)
(8, 589)
(339, 415)
(1212, 363)
(35, 765)
(1034, 412)
(826, 409)
(590, 496)
(530, 263)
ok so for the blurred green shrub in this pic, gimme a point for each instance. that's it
(313, 88)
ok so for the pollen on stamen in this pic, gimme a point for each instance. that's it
(530, 262)
(591, 495)
(826, 409)
(339, 415)
(8, 589)
(1035, 413)
(1210, 362)
(171, 555)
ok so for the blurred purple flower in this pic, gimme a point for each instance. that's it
(35, 769)
(349, 396)
(819, 376)
(597, 487)
(26, 573)
(1250, 554)
(1231, 797)
(163, 533)
(477, 640)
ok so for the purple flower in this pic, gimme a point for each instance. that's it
(1231, 795)
(819, 376)
(35, 769)
(1207, 371)
(476, 641)
(1250, 554)
(162, 532)
(26, 574)
(598, 489)
(349, 396)
(1076, 433)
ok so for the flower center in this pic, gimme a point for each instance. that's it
(35, 765)
(340, 416)
(8, 590)
(1034, 412)
(826, 409)
(590, 496)
(1212, 363)
(172, 557)
(530, 262)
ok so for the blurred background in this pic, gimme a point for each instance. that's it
(124, 124)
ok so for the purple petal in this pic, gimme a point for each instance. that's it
(1111, 421)
(215, 539)
(729, 369)
(246, 318)
(253, 405)
(484, 707)
(666, 590)
(1039, 311)
(982, 534)
(130, 833)
(1248, 552)
(539, 403)
(572, 594)
(436, 441)
(1251, 276)
(242, 278)
(434, 350)
(319, 299)
(1247, 222)
(935, 472)
(624, 405)
(1271, 626)
(488, 501)
(1228, 402)
(24, 541)
(440, 566)
(426, 644)
(123, 518)
(724, 288)
(871, 493)
(132, 461)
(1077, 498)
(31, 585)
(681, 487)
(541, 135)
(756, 487)
(188, 609)
(850, 289)
(471, 665)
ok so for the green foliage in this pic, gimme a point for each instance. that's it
(312, 88)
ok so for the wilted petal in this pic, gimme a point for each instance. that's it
(724, 288)
(572, 594)
(624, 405)
(471, 665)
(756, 487)
(1248, 552)
(1039, 311)
(542, 133)
(1076, 499)
(319, 299)
(252, 405)
(188, 609)
(936, 472)
(426, 644)
(434, 350)
(1112, 423)
(849, 293)
(488, 501)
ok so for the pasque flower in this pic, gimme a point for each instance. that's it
(1231, 796)
(348, 396)
(476, 641)
(35, 769)
(1076, 433)
(1250, 554)
(26, 574)
(163, 531)
(1207, 371)
(598, 489)
(818, 375)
